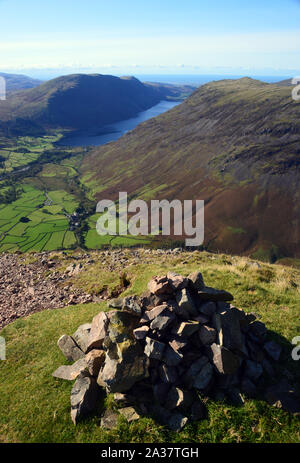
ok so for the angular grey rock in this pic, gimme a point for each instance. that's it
(213, 294)
(178, 344)
(207, 335)
(98, 331)
(70, 372)
(185, 302)
(160, 391)
(174, 421)
(154, 349)
(172, 357)
(150, 315)
(196, 281)
(94, 360)
(132, 304)
(204, 378)
(125, 362)
(69, 348)
(81, 336)
(119, 375)
(162, 321)
(116, 303)
(130, 414)
(227, 382)
(227, 324)
(253, 370)
(84, 397)
(248, 388)
(192, 371)
(179, 399)
(160, 285)
(203, 319)
(177, 421)
(273, 350)
(197, 411)
(168, 374)
(123, 400)
(257, 330)
(224, 360)
(141, 332)
(109, 420)
(187, 328)
(177, 281)
(207, 308)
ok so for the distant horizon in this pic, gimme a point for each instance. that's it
(172, 78)
(139, 37)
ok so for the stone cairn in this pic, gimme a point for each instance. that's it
(162, 353)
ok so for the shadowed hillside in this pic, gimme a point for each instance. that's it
(233, 143)
(16, 82)
(81, 101)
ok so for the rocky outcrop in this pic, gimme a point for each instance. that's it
(162, 360)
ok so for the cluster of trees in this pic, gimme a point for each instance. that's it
(9, 192)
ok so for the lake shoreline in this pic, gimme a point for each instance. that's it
(98, 136)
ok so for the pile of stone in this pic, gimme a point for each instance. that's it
(162, 353)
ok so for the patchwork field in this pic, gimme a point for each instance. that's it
(37, 221)
(21, 151)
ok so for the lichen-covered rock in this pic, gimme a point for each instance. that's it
(130, 413)
(125, 362)
(69, 348)
(132, 304)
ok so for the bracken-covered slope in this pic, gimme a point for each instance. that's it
(80, 101)
(233, 143)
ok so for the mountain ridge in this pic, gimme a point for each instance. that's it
(233, 143)
(80, 101)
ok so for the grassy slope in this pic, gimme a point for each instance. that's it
(233, 143)
(34, 407)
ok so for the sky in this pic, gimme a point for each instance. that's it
(261, 37)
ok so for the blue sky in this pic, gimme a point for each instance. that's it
(139, 36)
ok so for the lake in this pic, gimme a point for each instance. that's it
(114, 131)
